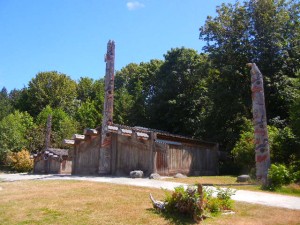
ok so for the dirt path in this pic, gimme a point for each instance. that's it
(262, 198)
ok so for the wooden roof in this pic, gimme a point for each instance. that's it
(58, 151)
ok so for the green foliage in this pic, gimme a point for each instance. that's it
(134, 86)
(295, 109)
(5, 104)
(243, 151)
(63, 126)
(20, 161)
(184, 201)
(14, 130)
(180, 103)
(294, 169)
(285, 145)
(278, 175)
(122, 107)
(189, 202)
(54, 89)
(264, 32)
(88, 116)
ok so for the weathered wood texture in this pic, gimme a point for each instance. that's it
(45, 164)
(105, 153)
(86, 156)
(132, 154)
(48, 132)
(186, 159)
(262, 147)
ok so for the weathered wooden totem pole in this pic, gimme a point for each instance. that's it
(105, 151)
(48, 133)
(262, 148)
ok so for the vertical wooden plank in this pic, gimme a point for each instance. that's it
(114, 153)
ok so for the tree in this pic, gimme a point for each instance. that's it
(63, 126)
(88, 116)
(134, 85)
(13, 132)
(179, 99)
(244, 150)
(91, 100)
(265, 32)
(54, 89)
(5, 105)
(295, 109)
(122, 106)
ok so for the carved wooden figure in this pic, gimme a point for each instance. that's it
(105, 152)
(262, 148)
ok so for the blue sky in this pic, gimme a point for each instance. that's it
(70, 36)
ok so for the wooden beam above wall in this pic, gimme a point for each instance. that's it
(91, 132)
(69, 142)
(78, 137)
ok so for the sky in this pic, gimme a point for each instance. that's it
(70, 36)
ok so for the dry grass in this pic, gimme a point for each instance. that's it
(77, 202)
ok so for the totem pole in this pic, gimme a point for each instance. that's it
(48, 132)
(47, 143)
(262, 148)
(105, 151)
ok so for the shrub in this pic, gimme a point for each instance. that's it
(224, 195)
(183, 201)
(20, 161)
(278, 175)
(214, 205)
(294, 169)
(191, 202)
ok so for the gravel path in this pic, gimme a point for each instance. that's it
(262, 198)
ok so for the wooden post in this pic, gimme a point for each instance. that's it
(262, 147)
(105, 149)
(48, 132)
(47, 142)
(153, 153)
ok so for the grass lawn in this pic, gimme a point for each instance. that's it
(230, 181)
(78, 202)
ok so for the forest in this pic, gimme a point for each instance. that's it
(204, 95)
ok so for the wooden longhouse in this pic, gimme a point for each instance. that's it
(52, 160)
(152, 151)
(116, 149)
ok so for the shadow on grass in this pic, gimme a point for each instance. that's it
(173, 218)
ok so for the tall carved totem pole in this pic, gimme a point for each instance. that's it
(262, 148)
(48, 133)
(105, 151)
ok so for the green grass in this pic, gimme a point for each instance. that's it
(292, 189)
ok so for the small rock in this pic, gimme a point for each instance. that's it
(179, 175)
(243, 178)
(136, 174)
(154, 176)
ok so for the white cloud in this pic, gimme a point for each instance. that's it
(134, 5)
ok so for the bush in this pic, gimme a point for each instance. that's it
(278, 175)
(183, 201)
(224, 195)
(191, 202)
(294, 169)
(20, 161)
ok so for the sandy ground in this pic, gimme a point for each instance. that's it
(262, 198)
